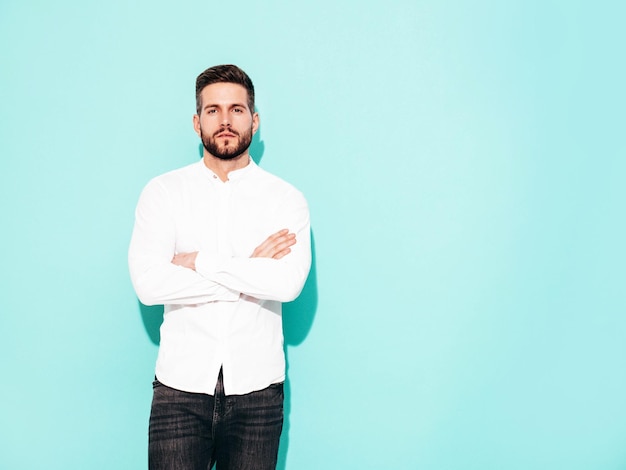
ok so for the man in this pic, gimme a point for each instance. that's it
(221, 243)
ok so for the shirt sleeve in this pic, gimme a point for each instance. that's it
(265, 278)
(155, 279)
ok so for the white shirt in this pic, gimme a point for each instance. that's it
(227, 313)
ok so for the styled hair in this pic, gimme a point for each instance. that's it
(224, 74)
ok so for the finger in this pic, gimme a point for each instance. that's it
(270, 245)
(278, 234)
(265, 249)
(281, 249)
(280, 244)
(282, 253)
(285, 243)
(261, 250)
(275, 237)
(274, 243)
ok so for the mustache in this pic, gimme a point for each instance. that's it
(226, 129)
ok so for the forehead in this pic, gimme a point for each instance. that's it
(224, 94)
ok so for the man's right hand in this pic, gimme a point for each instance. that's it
(275, 246)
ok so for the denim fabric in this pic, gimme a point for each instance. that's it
(192, 431)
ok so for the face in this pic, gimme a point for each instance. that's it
(225, 124)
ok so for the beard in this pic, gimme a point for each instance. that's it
(232, 147)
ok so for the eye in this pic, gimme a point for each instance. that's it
(238, 110)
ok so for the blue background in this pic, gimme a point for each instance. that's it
(464, 164)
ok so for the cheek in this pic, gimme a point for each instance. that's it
(206, 125)
(249, 124)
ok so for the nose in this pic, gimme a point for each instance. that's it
(225, 120)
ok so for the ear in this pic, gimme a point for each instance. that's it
(196, 124)
(256, 121)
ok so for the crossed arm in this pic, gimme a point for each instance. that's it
(275, 246)
(189, 278)
(155, 283)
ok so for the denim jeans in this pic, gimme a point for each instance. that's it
(192, 431)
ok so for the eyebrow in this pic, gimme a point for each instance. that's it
(233, 105)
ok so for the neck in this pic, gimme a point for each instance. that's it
(222, 167)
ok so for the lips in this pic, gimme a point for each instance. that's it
(226, 134)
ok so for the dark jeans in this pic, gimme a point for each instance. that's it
(192, 431)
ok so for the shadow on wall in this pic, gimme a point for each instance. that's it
(152, 318)
(298, 319)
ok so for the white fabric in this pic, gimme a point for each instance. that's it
(227, 312)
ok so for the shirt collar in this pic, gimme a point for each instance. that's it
(233, 175)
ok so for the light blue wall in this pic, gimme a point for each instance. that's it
(464, 164)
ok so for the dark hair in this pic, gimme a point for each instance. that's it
(224, 74)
